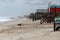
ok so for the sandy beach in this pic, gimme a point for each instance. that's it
(28, 30)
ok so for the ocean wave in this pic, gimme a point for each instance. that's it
(4, 19)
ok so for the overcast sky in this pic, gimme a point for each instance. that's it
(22, 7)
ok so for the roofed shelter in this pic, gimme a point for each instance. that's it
(55, 9)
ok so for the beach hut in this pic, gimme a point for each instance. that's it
(55, 9)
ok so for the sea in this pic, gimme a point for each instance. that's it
(5, 19)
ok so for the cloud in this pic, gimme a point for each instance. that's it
(7, 0)
(34, 2)
(6, 3)
(12, 0)
(41, 2)
(21, 7)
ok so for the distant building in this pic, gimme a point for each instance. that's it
(42, 10)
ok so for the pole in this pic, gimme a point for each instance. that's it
(54, 18)
(49, 7)
(49, 11)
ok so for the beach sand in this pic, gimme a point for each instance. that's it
(28, 30)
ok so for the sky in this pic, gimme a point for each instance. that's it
(14, 8)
